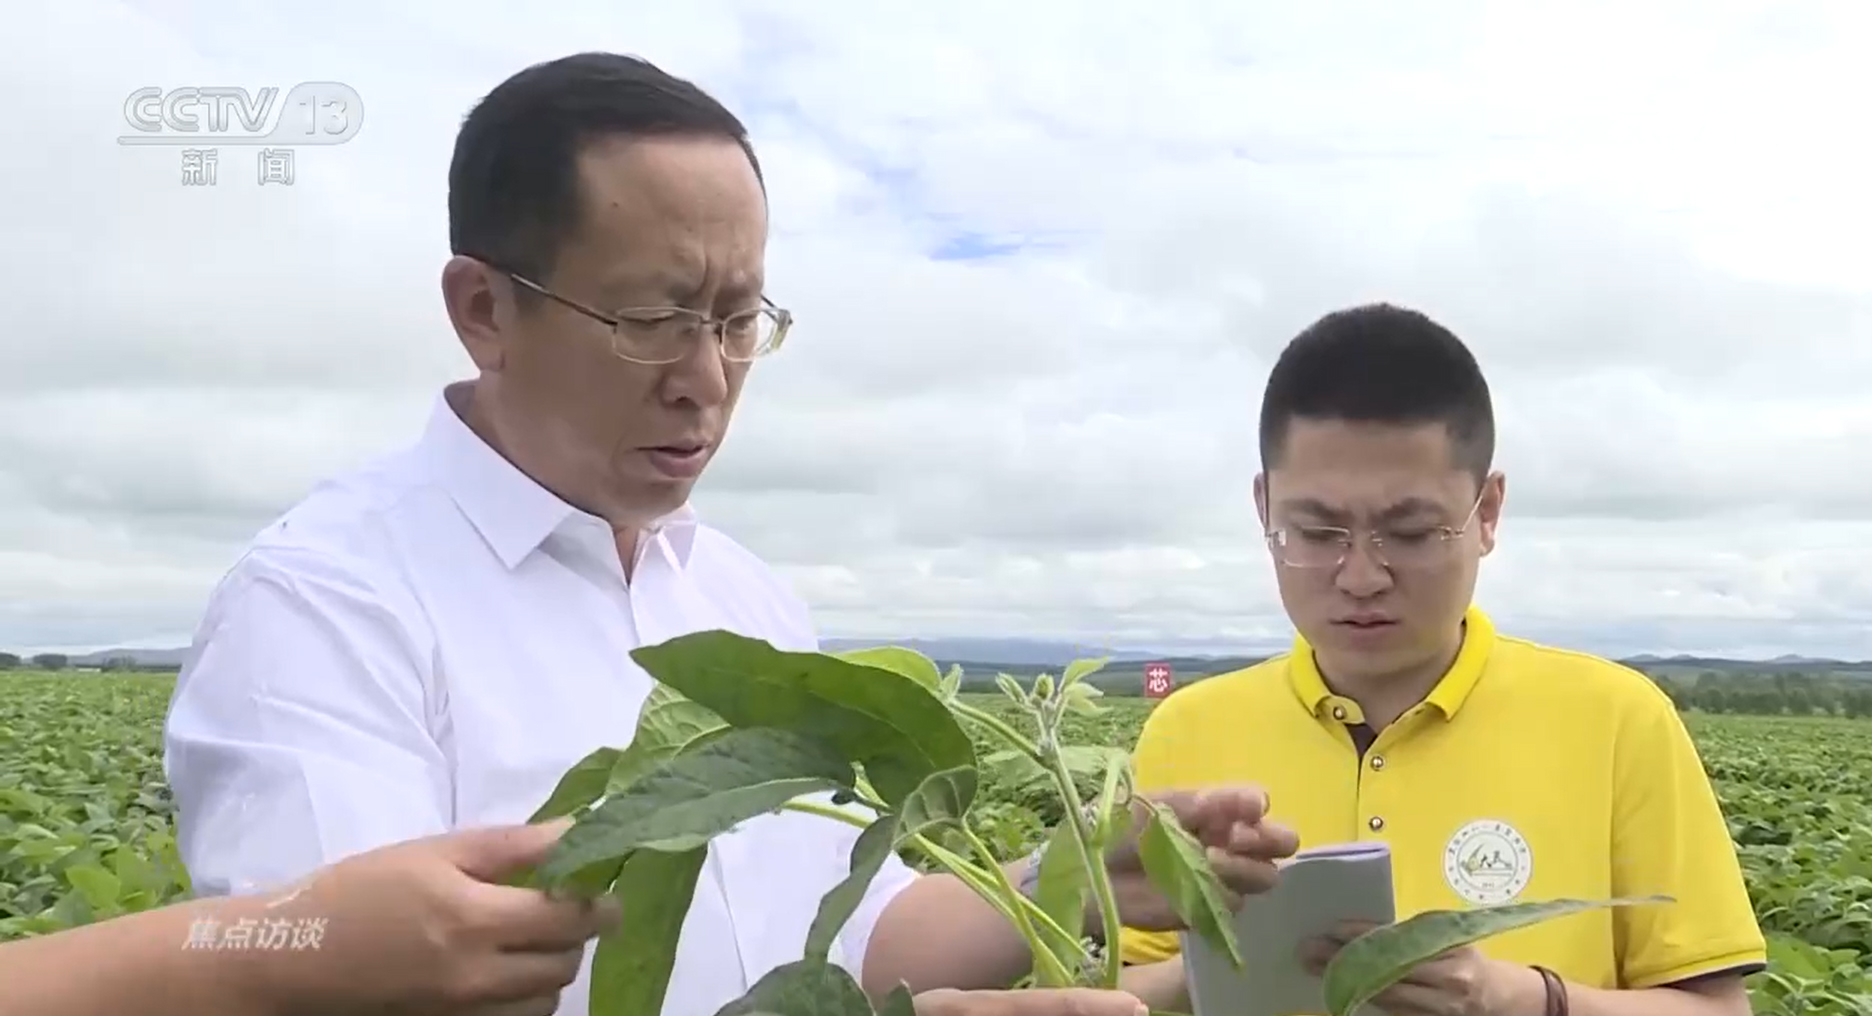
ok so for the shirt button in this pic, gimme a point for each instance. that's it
(1338, 712)
(1377, 761)
(1376, 823)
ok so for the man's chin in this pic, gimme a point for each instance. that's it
(1363, 653)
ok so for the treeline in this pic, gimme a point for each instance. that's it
(60, 661)
(1747, 693)
(1789, 694)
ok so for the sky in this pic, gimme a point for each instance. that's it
(1042, 256)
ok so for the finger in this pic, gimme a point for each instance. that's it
(1314, 953)
(1243, 874)
(528, 920)
(1265, 839)
(1435, 975)
(1346, 931)
(493, 853)
(1212, 816)
(1406, 998)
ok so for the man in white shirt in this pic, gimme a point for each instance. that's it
(428, 643)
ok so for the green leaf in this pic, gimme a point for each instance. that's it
(667, 725)
(802, 988)
(592, 880)
(951, 682)
(908, 662)
(897, 729)
(898, 1003)
(581, 785)
(1082, 760)
(1062, 890)
(99, 887)
(942, 800)
(1083, 699)
(1178, 867)
(698, 795)
(1114, 801)
(1381, 957)
(1079, 670)
(868, 854)
(939, 801)
(631, 966)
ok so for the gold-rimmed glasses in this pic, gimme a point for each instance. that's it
(654, 336)
(1411, 548)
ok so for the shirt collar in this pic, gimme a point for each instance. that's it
(511, 511)
(1450, 691)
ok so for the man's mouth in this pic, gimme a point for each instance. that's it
(682, 460)
(1366, 622)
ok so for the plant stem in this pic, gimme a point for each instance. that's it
(1014, 738)
(990, 882)
(1042, 953)
(827, 811)
(1093, 853)
(984, 883)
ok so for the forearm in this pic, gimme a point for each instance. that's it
(1723, 998)
(940, 933)
(141, 963)
(1159, 985)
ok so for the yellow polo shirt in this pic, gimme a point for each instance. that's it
(1529, 773)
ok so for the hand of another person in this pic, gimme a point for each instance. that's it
(1461, 982)
(419, 928)
(1241, 846)
(1031, 1002)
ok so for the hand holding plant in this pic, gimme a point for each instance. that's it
(1241, 848)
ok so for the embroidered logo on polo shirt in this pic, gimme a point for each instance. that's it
(1487, 862)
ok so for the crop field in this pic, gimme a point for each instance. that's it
(85, 821)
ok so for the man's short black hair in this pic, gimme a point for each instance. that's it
(513, 184)
(1379, 363)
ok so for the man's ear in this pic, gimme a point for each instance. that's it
(1489, 513)
(1260, 499)
(479, 306)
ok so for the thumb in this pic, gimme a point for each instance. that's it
(492, 854)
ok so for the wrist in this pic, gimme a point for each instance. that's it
(247, 979)
(1527, 991)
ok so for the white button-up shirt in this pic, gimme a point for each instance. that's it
(429, 643)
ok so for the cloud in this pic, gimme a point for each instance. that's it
(1042, 258)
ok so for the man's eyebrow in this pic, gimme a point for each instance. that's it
(669, 289)
(1312, 506)
(1411, 507)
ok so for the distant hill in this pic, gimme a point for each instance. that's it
(1014, 652)
(142, 657)
(982, 658)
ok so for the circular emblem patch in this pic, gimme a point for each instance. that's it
(1487, 862)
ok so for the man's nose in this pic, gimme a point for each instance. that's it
(701, 376)
(1363, 572)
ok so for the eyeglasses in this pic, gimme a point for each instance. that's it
(1412, 549)
(654, 336)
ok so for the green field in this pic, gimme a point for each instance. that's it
(85, 821)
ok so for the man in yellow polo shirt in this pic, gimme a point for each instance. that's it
(1496, 769)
